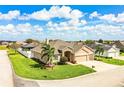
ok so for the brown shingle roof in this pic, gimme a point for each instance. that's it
(60, 45)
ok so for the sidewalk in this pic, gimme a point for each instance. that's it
(6, 79)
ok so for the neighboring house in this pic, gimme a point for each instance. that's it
(26, 49)
(73, 51)
(5, 43)
(109, 51)
(119, 44)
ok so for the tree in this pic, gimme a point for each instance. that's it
(29, 40)
(14, 46)
(89, 42)
(99, 50)
(107, 42)
(100, 41)
(48, 52)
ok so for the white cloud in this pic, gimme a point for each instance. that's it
(108, 17)
(72, 24)
(104, 29)
(94, 14)
(41, 15)
(61, 12)
(26, 28)
(10, 15)
(38, 28)
(83, 22)
(44, 14)
(120, 18)
(55, 11)
(76, 14)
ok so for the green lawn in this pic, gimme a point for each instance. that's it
(121, 54)
(28, 68)
(110, 60)
(3, 47)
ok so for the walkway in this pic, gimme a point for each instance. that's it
(6, 79)
(99, 66)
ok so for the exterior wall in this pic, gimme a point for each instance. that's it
(81, 52)
(91, 57)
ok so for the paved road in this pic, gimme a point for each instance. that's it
(111, 78)
(99, 66)
(6, 79)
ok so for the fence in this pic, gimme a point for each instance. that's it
(25, 53)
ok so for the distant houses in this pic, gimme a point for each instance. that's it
(25, 49)
(120, 45)
(108, 50)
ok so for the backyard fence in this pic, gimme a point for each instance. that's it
(25, 53)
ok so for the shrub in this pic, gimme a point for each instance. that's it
(99, 59)
(95, 58)
(63, 60)
(74, 62)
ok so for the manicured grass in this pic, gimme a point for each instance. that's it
(111, 60)
(28, 68)
(3, 47)
(121, 54)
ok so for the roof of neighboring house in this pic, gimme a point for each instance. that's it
(120, 42)
(29, 45)
(60, 45)
(104, 46)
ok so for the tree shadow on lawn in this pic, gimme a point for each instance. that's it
(38, 64)
(12, 53)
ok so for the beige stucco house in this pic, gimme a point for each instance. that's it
(74, 51)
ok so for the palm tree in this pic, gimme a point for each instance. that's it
(99, 50)
(48, 51)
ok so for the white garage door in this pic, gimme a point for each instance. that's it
(80, 59)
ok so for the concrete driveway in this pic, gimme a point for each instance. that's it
(99, 66)
(6, 79)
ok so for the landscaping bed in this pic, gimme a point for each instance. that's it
(110, 60)
(29, 68)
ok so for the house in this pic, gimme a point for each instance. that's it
(26, 49)
(74, 51)
(120, 45)
(5, 43)
(109, 50)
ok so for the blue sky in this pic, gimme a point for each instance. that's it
(74, 22)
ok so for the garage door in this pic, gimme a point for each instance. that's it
(80, 59)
